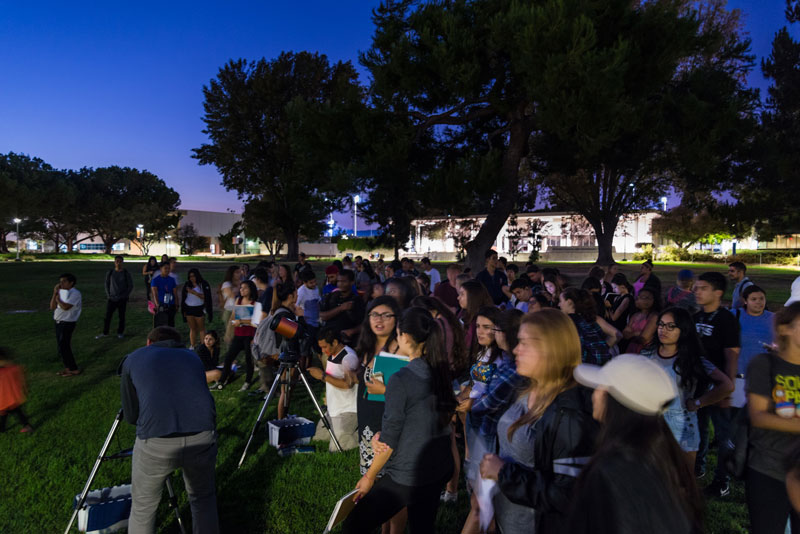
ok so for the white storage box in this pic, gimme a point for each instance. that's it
(291, 431)
(105, 510)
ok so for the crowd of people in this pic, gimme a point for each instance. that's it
(579, 407)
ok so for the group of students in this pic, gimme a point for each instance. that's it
(623, 461)
(507, 360)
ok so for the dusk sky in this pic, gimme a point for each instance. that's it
(113, 83)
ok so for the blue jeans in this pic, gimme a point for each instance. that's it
(721, 418)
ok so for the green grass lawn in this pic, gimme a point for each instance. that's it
(42, 472)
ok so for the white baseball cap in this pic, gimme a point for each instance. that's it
(795, 297)
(634, 381)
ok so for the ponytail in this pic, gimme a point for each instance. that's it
(424, 329)
(280, 293)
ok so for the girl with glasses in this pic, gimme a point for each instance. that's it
(699, 383)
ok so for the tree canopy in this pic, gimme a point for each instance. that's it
(276, 130)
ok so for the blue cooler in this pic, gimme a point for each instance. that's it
(105, 510)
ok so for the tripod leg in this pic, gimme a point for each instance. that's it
(173, 503)
(93, 473)
(319, 410)
(272, 390)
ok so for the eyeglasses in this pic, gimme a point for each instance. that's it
(669, 327)
(382, 316)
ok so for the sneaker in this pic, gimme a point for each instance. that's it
(216, 386)
(100, 336)
(448, 497)
(27, 429)
(120, 336)
(717, 489)
(245, 386)
(700, 473)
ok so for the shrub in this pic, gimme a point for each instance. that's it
(645, 254)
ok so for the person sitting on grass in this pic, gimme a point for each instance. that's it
(13, 391)
(208, 352)
(341, 364)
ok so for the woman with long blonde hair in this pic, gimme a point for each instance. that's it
(539, 467)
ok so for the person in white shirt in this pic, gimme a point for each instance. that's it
(341, 364)
(432, 273)
(66, 306)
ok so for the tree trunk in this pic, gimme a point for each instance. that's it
(292, 245)
(4, 242)
(604, 233)
(108, 242)
(509, 191)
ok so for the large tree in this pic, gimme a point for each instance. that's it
(661, 105)
(278, 134)
(598, 94)
(118, 199)
(768, 195)
(22, 194)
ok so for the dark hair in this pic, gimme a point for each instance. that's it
(261, 274)
(715, 279)
(426, 261)
(395, 265)
(163, 333)
(458, 355)
(532, 268)
(509, 322)
(596, 272)
(213, 333)
(229, 273)
(512, 267)
(583, 302)
(656, 298)
(119, 257)
(503, 260)
(521, 283)
(288, 272)
(477, 297)
(592, 283)
(367, 338)
(367, 266)
(197, 275)
(553, 279)
(281, 292)
(425, 283)
(152, 261)
(306, 275)
(253, 289)
(338, 264)
(69, 277)
(688, 360)
(489, 253)
(418, 323)
(739, 266)
(785, 317)
(749, 290)
(542, 300)
(164, 264)
(621, 280)
(493, 314)
(648, 263)
(407, 288)
(349, 274)
(329, 335)
(647, 440)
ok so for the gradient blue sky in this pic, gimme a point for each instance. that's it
(120, 83)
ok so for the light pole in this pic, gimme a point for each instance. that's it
(168, 237)
(356, 200)
(664, 202)
(17, 221)
(140, 235)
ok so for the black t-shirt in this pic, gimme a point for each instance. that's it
(770, 376)
(621, 494)
(299, 267)
(347, 319)
(494, 284)
(718, 330)
(210, 359)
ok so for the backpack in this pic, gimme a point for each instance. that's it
(266, 342)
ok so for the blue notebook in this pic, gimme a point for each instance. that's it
(386, 365)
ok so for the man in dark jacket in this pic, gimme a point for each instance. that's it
(119, 285)
(564, 442)
(164, 393)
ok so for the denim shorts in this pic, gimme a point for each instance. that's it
(683, 424)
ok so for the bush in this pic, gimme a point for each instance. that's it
(358, 243)
(673, 253)
(645, 254)
(777, 257)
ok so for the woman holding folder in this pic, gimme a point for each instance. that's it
(413, 447)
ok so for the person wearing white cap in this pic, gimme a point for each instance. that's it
(638, 480)
(795, 295)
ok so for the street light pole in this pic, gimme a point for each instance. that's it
(17, 221)
(356, 200)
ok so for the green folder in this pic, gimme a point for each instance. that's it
(386, 364)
